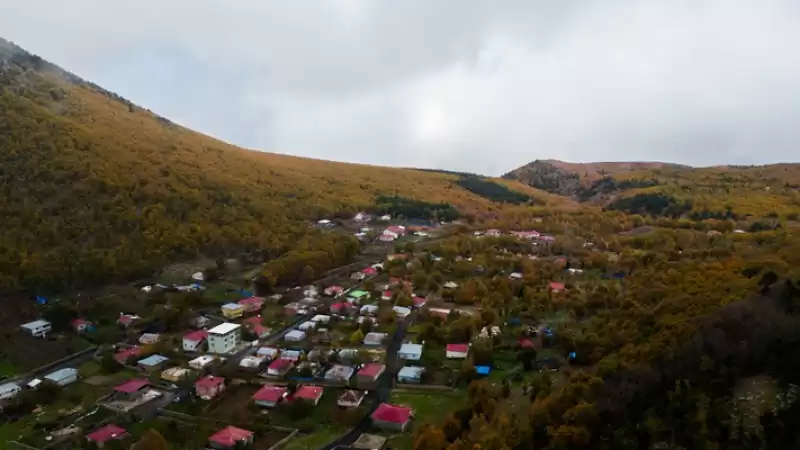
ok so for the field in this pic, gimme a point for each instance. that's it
(315, 440)
(428, 406)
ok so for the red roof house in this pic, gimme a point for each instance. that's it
(269, 396)
(457, 351)
(338, 307)
(526, 343)
(252, 304)
(209, 387)
(127, 320)
(370, 271)
(369, 374)
(397, 229)
(193, 341)
(124, 355)
(105, 434)
(80, 325)
(387, 295)
(333, 290)
(392, 417)
(280, 367)
(132, 387)
(309, 393)
(230, 437)
(556, 287)
(419, 302)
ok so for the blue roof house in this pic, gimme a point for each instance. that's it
(152, 362)
(410, 374)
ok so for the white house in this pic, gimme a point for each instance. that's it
(268, 352)
(201, 362)
(224, 337)
(410, 374)
(339, 373)
(369, 309)
(295, 335)
(321, 318)
(451, 285)
(306, 326)
(37, 328)
(374, 338)
(62, 377)
(411, 352)
(9, 390)
(401, 311)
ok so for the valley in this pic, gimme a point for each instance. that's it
(163, 289)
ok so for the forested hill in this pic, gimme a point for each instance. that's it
(93, 187)
(662, 189)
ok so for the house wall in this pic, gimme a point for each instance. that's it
(191, 346)
(224, 343)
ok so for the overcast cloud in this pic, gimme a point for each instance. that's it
(474, 85)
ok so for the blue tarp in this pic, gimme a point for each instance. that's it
(483, 370)
(41, 300)
(246, 293)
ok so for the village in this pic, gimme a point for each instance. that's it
(358, 360)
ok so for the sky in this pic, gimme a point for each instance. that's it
(469, 85)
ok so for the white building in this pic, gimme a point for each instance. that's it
(201, 362)
(321, 318)
(9, 390)
(295, 335)
(306, 326)
(62, 377)
(37, 328)
(224, 338)
(411, 352)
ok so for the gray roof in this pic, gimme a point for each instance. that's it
(61, 374)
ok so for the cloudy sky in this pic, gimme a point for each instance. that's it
(475, 85)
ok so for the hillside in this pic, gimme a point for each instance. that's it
(95, 187)
(671, 189)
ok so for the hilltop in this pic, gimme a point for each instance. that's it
(95, 187)
(671, 189)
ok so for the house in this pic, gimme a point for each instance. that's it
(321, 318)
(547, 239)
(369, 374)
(269, 396)
(293, 309)
(350, 399)
(62, 377)
(201, 362)
(152, 362)
(224, 337)
(291, 355)
(255, 326)
(391, 417)
(397, 229)
(295, 335)
(105, 434)
(515, 276)
(457, 351)
(193, 342)
(401, 311)
(268, 352)
(123, 356)
(369, 442)
(369, 309)
(526, 344)
(81, 325)
(357, 295)
(309, 393)
(530, 235)
(410, 374)
(37, 328)
(493, 233)
(252, 362)
(149, 338)
(339, 374)
(361, 217)
(310, 291)
(490, 331)
(419, 302)
(333, 291)
(411, 352)
(280, 367)
(34, 384)
(132, 389)
(232, 310)
(357, 276)
(199, 322)
(573, 271)
(126, 320)
(370, 271)
(307, 326)
(451, 285)
(387, 236)
(556, 287)
(386, 296)
(9, 390)
(251, 304)
(209, 387)
(374, 338)
(175, 374)
(230, 437)
(338, 308)
(444, 313)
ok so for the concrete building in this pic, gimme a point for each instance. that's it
(224, 338)
(62, 377)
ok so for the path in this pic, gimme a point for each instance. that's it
(385, 384)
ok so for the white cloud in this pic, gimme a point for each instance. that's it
(461, 84)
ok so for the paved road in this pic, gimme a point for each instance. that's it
(385, 384)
